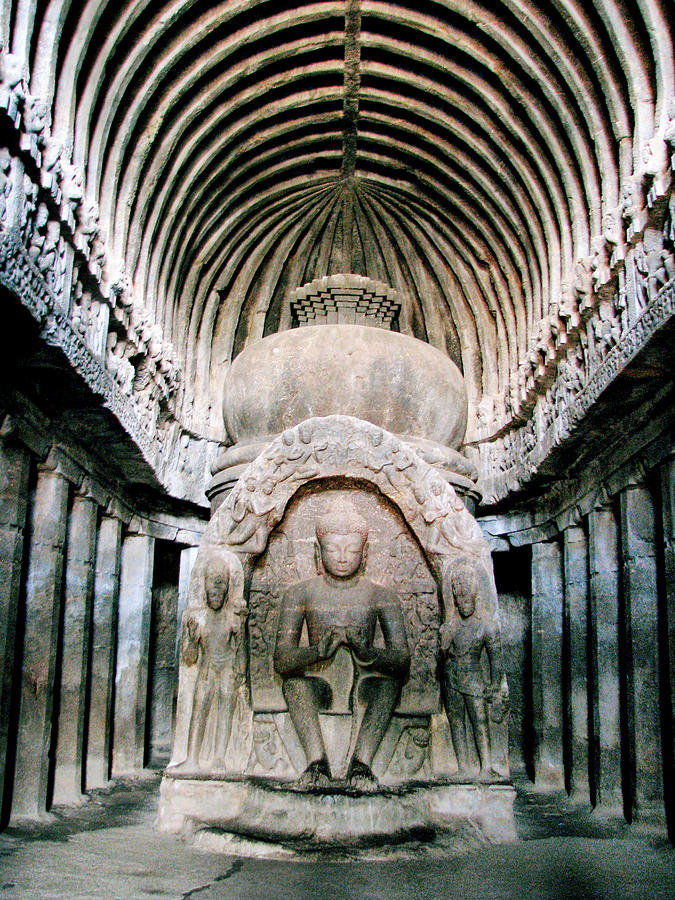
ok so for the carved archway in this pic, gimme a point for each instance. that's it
(346, 447)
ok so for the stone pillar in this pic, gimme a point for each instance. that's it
(576, 605)
(604, 631)
(44, 591)
(668, 634)
(642, 643)
(163, 664)
(188, 557)
(106, 597)
(75, 648)
(14, 483)
(547, 625)
(133, 638)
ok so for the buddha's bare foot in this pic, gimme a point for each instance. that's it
(487, 775)
(360, 777)
(315, 777)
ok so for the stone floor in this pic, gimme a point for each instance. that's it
(109, 849)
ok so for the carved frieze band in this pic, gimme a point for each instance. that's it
(19, 274)
(525, 452)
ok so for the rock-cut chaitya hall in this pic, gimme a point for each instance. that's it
(336, 415)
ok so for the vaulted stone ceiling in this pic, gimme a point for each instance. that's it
(467, 154)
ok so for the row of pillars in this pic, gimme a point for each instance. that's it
(602, 645)
(75, 608)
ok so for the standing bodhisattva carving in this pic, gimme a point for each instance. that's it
(464, 637)
(211, 641)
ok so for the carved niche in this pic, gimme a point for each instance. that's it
(422, 542)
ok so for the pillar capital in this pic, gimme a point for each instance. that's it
(92, 490)
(58, 463)
(115, 509)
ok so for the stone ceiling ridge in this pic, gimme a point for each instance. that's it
(491, 164)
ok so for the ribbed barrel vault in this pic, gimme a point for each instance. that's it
(467, 154)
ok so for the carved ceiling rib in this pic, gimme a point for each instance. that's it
(467, 155)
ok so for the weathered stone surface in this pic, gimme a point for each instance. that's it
(575, 560)
(474, 815)
(604, 630)
(152, 239)
(44, 592)
(104, 639)
(164, 672)
(640, 590)
(14, 474)
(547, 625)
(78, 602)
(337, 699)
(390, 379)
(133, 636)
(400, 384)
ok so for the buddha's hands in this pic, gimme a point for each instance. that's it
(360, 646)
(328, 644)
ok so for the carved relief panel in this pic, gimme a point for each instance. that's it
(394, 559)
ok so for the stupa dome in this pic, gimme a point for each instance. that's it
(390, 379)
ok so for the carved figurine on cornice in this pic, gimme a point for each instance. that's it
(51, 170)
(656, 166)
(36, 119)
(72, 187)
(6, 185)
(98, 255)
(584, 284)
(614, 234)
(118, 363)
(13, 85)
(633, 204)
(545, 341)
(567, 307)
(654, 263)
(606, 327)
(87, 227)
(121, 292)
(600, 261)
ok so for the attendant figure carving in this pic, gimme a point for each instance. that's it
(340, 607)
(212, 641)
(466, 692)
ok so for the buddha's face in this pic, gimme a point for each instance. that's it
(341, 554)
(465, 596)
(216, 584)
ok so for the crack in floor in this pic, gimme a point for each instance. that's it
(234, 869)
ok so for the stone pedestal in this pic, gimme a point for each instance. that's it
(366, 701)
(14, 473)
(131, 679)
(44, 591)
(547, 622)
(75, 648)
(471, 815)
(106, 598)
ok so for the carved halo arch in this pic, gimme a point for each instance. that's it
(347, 447)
